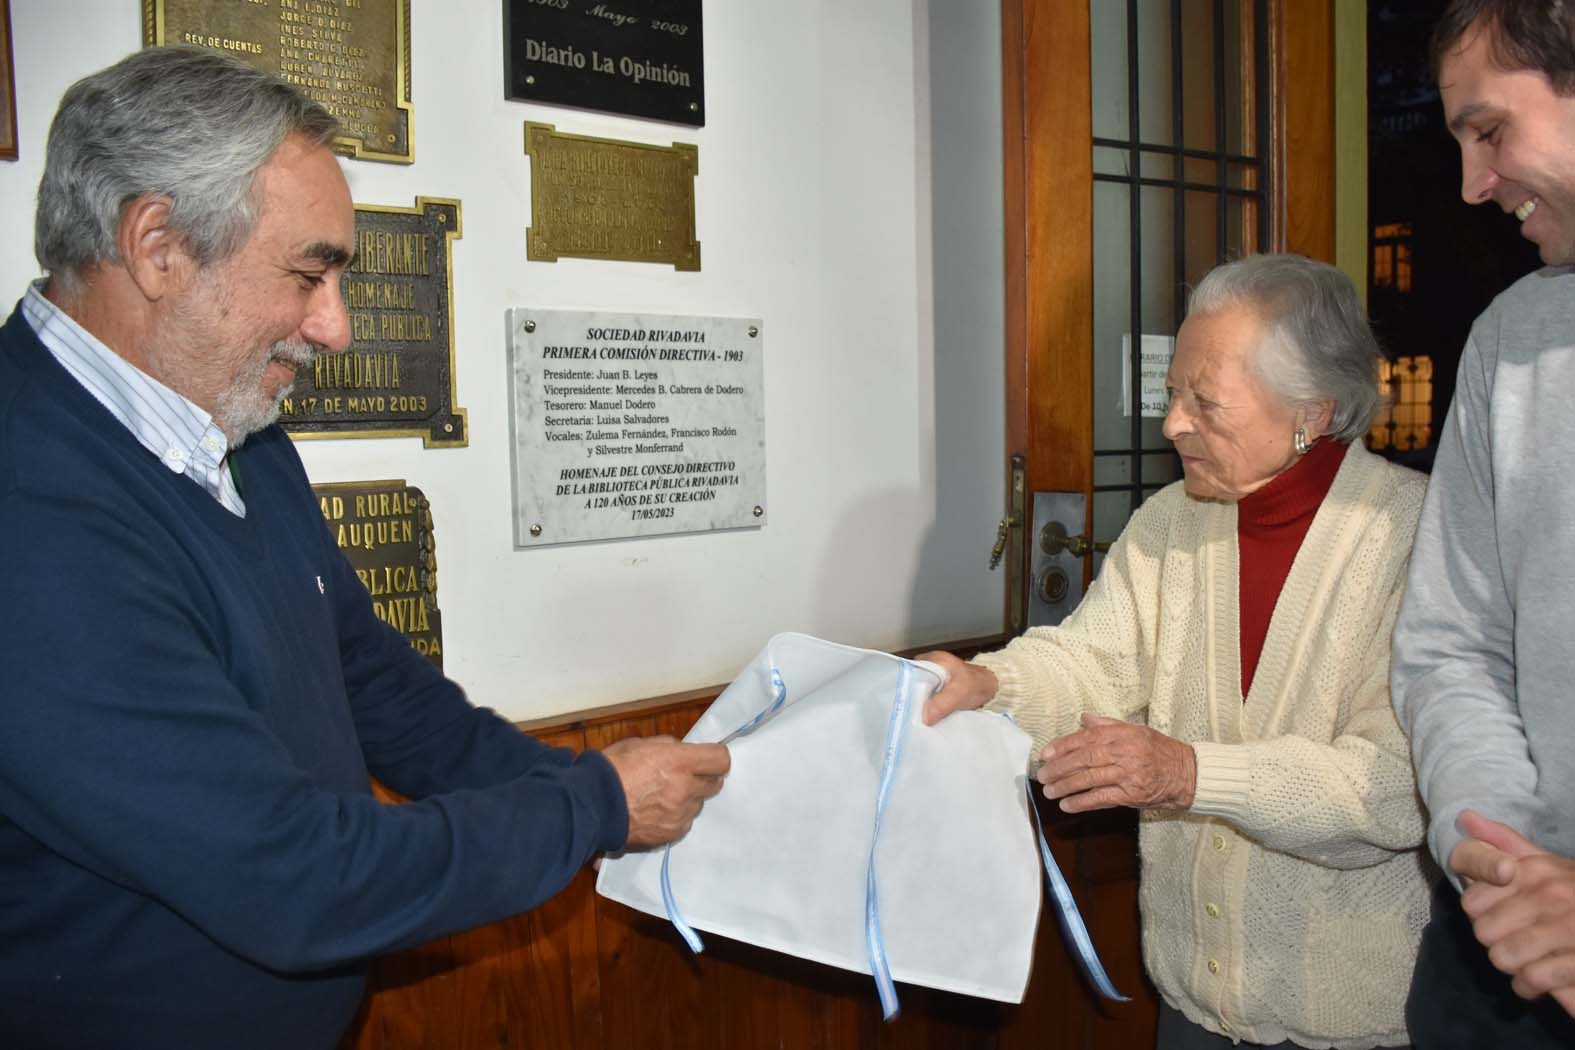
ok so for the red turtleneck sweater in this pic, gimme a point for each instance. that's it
(1270, 526)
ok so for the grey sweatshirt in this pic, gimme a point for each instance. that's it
(1483, 677)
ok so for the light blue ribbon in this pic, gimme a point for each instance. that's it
(1069, 918)
(676, 917)
(874, 943)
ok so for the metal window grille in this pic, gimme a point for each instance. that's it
(1222, 175)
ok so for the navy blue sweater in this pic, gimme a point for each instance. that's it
(190, 855)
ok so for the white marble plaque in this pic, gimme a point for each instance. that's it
(635, 424)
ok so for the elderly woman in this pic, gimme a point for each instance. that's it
(1228, 674)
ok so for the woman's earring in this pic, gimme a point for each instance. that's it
(1300, 439)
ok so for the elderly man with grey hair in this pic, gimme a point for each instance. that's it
(1227, 674)
(196, 685)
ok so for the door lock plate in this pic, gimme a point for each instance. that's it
(1056, 581)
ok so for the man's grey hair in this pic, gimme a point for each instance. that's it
(1316, 345)
(186, 123)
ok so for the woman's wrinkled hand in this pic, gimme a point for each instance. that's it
(1112, 763)
(968, 686)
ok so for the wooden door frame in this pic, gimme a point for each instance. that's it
(1301, 46)
(1049, 277)
(1049, 190)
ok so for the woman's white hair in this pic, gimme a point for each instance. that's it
(1316, 343)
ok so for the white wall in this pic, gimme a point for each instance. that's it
(816, 211)
(965, 279)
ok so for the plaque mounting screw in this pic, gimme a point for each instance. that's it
(535, 530)
(753, 331)
(760, 512)
(530, 326)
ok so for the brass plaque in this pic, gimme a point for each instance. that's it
(385, 530)
(352, 56)
(599, 198)
(397, 377)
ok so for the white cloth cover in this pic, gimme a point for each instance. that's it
(780, 858)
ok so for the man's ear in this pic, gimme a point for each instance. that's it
(153, 253)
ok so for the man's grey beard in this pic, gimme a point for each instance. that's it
(243, 408)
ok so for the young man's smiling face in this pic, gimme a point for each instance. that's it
(1517, 143)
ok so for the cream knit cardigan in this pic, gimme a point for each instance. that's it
(1288, 902)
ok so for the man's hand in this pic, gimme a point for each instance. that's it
(1111, 763)
(968, 686)
(665, 783)
(1521, 900)
(1485, 855)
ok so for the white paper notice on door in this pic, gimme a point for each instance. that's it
(1156, 352)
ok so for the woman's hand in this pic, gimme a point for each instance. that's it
(1112, 763)
(968, 686)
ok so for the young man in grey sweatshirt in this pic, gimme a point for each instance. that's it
(1484, 658)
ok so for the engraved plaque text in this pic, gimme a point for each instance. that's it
(600, 198)
(385, 530)
(352, 56)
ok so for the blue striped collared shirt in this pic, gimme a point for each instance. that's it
(181, 435)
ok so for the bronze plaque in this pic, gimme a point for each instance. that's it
(599, 198)
(385, 530)
(7, 87)
(353, 56)
(397, 377)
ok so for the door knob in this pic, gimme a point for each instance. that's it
(1053, 539)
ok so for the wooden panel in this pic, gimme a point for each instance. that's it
(1303, 33)
(1049, 242)
(1048, 210)
(564, 953)
(1014, 165)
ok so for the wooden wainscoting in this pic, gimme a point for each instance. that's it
(581, 972)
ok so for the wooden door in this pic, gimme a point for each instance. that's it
(1145, 141)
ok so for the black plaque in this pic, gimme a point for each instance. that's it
(397, 377)
(640, 58)
(385, 530)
